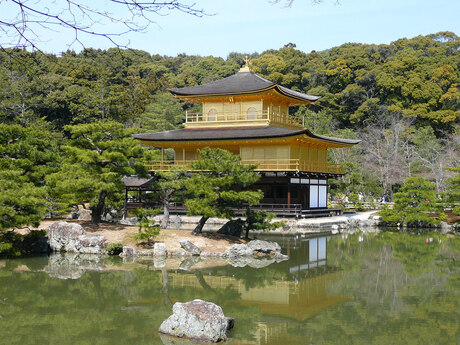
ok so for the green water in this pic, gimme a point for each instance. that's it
(374, 289)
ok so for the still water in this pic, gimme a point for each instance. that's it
(376, 288)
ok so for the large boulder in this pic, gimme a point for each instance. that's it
(197, 320)
(84, 214)
(71, 237)
(264, 246)
(190, 247)
(159, 249)
(238, 250)
(64, 236)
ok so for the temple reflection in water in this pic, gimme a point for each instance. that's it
(286, 299)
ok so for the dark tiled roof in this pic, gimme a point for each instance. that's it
(241, 82)
(228, 133)
(134, 181)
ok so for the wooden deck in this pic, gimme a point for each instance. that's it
(281, 210)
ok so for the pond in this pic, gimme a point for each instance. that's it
(362, 288)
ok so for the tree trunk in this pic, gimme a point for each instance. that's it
(96, 214)
(165, 219)
(199, 228)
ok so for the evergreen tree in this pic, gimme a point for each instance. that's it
(28, 155)
(98, 155)
(411, 204)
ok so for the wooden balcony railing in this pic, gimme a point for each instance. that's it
(244, 117)
(263, 165)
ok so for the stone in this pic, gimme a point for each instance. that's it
(159, 249)
(211, 254)
(128, 251)
(445, 227)
(280, 257)
(264, 246)
(92, 244)
(190, 247)
(130, 221)
(64, 236)
(197, 320)
(232, 228)
(335, 227)
(111, 216)
(72, 238)
(144, 252)
(238, 250)
(84, 214)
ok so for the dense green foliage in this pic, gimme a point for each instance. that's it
(148, 228)
(114, 249)
(97, 156)
(411, 204)
(259, 221)
(28, 155)
(402, 99)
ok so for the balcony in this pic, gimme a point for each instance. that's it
(232, 118)
(263, 165)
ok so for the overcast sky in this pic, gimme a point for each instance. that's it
(248, 26)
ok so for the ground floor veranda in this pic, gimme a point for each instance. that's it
(287, 194)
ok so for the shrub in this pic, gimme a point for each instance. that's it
(147, 227)
(114, 248)
(442, 217)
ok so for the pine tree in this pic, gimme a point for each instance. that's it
(98, 155)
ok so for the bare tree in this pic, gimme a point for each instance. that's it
(290, 2)
(22, 21)
(386, 138)
(435, 155)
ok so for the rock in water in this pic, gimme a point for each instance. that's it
(197, 320)
(71, 237)
(64, 236)
(238, 250)
(190, 247)
(159, 249)
(264, 246)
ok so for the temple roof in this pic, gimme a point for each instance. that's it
(134, 181)
(231, 133)
(240, 83)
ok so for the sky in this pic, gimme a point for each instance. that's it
(248, 26)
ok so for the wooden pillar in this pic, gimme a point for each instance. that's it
(289, 195)
(140, 195)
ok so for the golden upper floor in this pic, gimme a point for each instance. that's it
(243, 99)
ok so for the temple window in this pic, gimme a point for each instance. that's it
(252, 113)
(212, 115)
